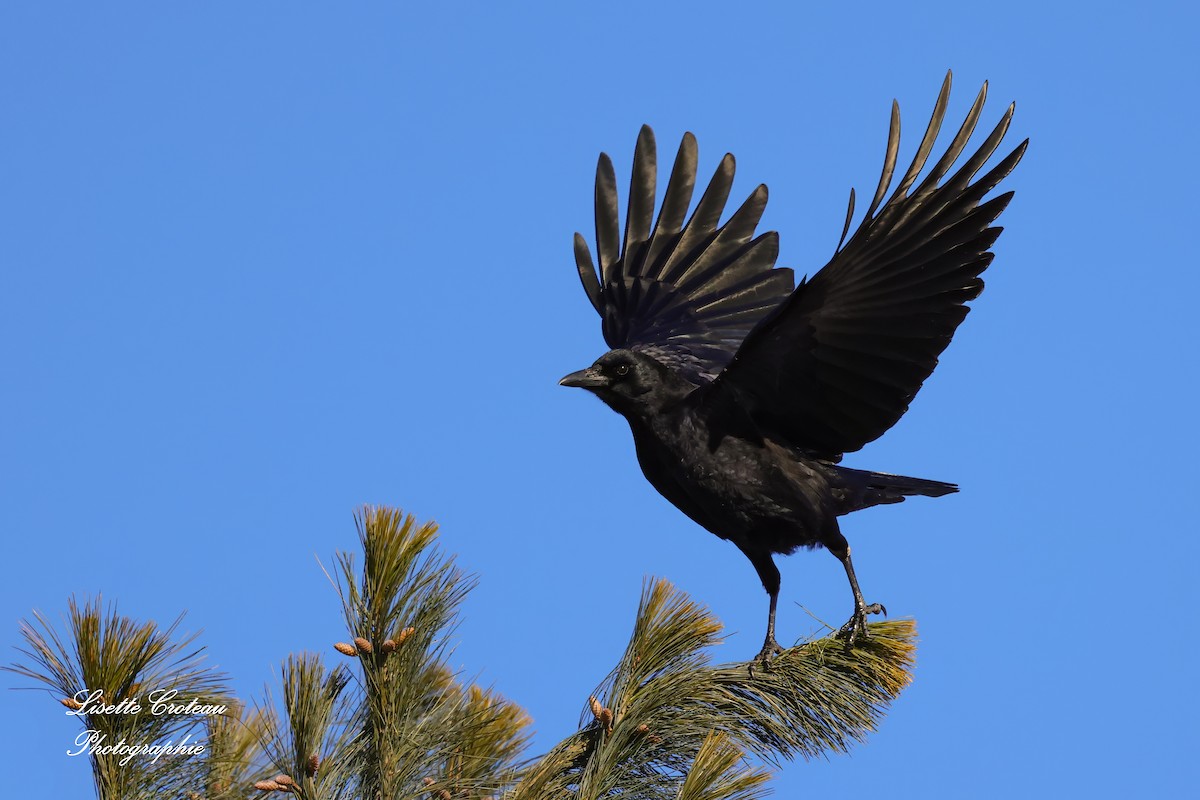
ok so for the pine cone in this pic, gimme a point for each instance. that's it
(603, 715)
(346, 649)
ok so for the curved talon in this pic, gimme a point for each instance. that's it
(770, 648)
(856, 627)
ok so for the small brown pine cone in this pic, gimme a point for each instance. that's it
(603, 715)
(314, 763)
(346, 649)
(364, 645)
(404, 634)
(388, 646)
(643, 729)
(71, 703)
(444, 794)
(284, 780)
(267, 786)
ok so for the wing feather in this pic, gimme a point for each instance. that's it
(587, 272)
(703, 224)
(837, 364)
(687, 293)
(709, 266)
(641, 199)
(678, 197)
(608, 218)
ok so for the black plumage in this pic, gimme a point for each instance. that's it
(742, 390)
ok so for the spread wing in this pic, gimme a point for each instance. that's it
(686, 294)
(838, 363)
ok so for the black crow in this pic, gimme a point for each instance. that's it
(742, 390)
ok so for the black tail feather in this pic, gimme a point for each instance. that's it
(866, 489)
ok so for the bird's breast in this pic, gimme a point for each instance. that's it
(730, 490)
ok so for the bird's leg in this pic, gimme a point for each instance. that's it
(856, 627)
(769, 574)
(770, 646)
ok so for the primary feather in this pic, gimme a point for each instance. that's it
(686, 294)
(839, 361)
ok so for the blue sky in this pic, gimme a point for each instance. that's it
(262, 263)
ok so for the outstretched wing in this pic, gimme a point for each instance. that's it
(838, 363)
(685, 294)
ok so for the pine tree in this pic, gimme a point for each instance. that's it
(391, 719)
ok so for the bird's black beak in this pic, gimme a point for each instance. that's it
(589, 378)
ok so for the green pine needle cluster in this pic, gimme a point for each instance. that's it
(391, 719)
(107, 659)
(653, 720)
(420, 730)
(233, 750)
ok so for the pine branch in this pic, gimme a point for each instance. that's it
(649, 727)
(664, 725)
(308, 744)
(109, 672)
(232, 755)
(421, 731)
(720, 773)
(819, 697)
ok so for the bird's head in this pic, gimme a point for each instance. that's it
(631, 383)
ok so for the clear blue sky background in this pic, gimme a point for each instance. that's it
(264, 262)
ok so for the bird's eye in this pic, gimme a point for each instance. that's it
(623, 370)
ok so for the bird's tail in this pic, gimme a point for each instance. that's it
(877, 488)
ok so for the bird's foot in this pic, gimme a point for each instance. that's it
(770, 648)
(763, 659)
(856, 627)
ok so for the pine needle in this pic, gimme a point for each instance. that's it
(392, 720)
(720, 772)
(109, 660)
(665, 702)
(818, 697)
(310, 721)
(420, 730)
